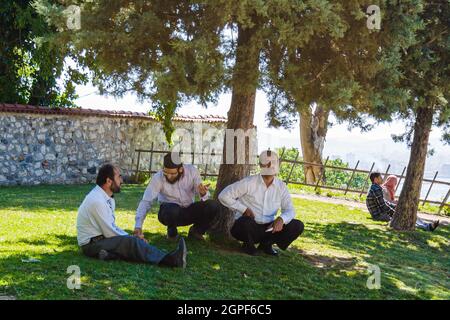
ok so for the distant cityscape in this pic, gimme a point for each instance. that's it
(381, 151)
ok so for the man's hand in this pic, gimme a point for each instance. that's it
(203, 189)
(249, 213)
(138, 234)
(277, 225)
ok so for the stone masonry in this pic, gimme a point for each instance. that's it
(66, 146)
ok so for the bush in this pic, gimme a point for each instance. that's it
(332, 177)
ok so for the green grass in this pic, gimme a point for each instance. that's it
(300, 189)
(329, 261)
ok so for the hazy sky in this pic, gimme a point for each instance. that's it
(89, 98)
(375, 145)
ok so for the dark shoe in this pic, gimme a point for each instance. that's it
(194, 234)
(176, 258)
(434, 225)
(249, 248)
(172, 233)
(268, 249)
(105, 255)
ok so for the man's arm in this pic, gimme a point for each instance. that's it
(150, 194)
(100, 212)
(199, 188)
(229, 196)
(287, 208)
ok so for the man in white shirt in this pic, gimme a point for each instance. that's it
(255, 201)
(99, 237)
(175, 186)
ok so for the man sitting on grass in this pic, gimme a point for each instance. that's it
(99, 237)
(175, 186)
(383, 210)
(255, 201)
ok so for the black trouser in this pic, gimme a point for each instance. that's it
(127, 248)
(385, 216)
(247, 230)
(201, 214)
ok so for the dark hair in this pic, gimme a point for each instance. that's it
(106, 171)
(169, 164)
(374, 175)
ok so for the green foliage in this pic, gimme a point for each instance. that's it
(422, 72)
(29, 69)
(171, 52)
(349, 70)
(426, 68)
(140, 178)
(332, 178)
(434, 209)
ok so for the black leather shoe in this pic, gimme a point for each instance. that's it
(434, 225)
(195, 235)
(177, 258)
(268, 249)
(249, 248)
(105, 255)
(172, 233)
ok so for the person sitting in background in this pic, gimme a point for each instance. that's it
(256, 200)
(99, 237)
(382, 209)
(389, 188)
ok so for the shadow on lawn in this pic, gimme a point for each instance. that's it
(361, 239)
(63, 197)
(298, 275)
(406, 256)
(64, 241)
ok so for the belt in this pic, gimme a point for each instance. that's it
(97, 238)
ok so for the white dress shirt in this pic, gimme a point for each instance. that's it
(252, 192)
(181, 192)
(96, 217)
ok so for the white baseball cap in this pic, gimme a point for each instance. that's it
(266, 157)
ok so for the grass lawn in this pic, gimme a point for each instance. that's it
(329, 261)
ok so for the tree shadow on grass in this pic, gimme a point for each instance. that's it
(418, 260)
(218, 272)
(362, 239)
(326, 261)
(62, 197)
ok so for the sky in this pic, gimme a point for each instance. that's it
(373, 146)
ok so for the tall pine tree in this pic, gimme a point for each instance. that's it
(169, 52)
(426, 76)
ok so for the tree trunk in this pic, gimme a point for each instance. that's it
(313, 130)
(406, 211)
(240, 116)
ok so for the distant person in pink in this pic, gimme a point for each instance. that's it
(389, 188)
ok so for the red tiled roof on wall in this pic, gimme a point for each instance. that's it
(20, 108)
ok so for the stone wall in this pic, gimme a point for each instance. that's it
(69, 148)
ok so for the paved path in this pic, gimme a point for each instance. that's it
(424, 216)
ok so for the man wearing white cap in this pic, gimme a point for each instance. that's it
(256, 200)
